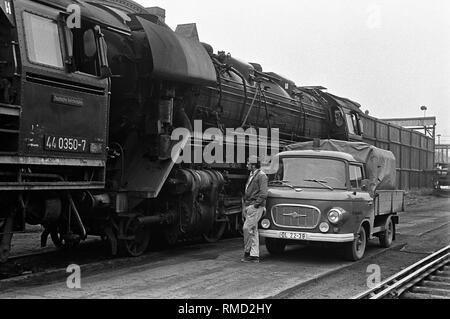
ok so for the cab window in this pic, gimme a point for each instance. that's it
(354, 125)
(82, 47)
(356, 176)
(42, 40)
(351, 124)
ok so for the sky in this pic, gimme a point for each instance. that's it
(391, 56)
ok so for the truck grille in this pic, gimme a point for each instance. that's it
(298, 216)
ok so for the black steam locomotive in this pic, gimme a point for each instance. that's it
(87, 112)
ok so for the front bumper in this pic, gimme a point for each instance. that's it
(301, 236)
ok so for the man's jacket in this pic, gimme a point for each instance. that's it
(256, 192)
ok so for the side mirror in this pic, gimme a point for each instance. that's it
(365, 185)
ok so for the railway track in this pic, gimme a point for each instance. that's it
(49, 259)
(426, 279)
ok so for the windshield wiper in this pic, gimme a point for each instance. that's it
(323, 183)
(286, 183)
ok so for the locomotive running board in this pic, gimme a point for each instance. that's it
(24, 186)
(52, 161)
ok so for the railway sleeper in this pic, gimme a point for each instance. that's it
(439, 278)
(431, 291)
(411, 295)
(436, 284)
(443, 273)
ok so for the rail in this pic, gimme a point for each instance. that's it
(428, 278)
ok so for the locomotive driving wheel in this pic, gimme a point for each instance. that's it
(170, 235)
(134, 238)
(218, 228)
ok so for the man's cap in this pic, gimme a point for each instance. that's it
(253, 159)
(262, 160)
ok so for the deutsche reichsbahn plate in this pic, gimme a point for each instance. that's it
(66, 144)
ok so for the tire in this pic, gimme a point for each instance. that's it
(387, 236)
(355, 250)
(275, 246)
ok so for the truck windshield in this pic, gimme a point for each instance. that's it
(307, 172)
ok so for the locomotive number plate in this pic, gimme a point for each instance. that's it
(295, 236)
(66, 144)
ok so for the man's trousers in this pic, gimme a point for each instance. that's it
(252, 216)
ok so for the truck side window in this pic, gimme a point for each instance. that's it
(42, 40)
(356, 176)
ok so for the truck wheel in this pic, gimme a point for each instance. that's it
(355, 250)
(275, 246)
(387, 236)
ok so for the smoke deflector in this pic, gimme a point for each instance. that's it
(177, 58)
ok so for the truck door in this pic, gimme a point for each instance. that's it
(362, 203)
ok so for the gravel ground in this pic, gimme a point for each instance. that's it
(214, 271)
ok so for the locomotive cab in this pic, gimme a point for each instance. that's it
(56, 96)
(54, 113)
(9, 113)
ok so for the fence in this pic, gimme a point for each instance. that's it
(414, 151)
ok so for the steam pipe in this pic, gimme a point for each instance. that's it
(149, 220)
(244, 83)
(77, 216)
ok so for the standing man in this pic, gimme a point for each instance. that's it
(254, 207)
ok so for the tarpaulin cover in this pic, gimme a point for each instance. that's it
(380, 164)
(178, 58)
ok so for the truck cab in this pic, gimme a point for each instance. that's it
(317, 194)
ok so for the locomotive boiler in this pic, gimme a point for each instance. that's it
(87, 113)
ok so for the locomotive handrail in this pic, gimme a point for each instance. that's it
(13, 46)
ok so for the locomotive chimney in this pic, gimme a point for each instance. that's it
(157, 11)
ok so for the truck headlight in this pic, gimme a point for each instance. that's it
(265, 223)
(335, 215)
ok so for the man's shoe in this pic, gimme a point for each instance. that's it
(250, 260)
(246, 259)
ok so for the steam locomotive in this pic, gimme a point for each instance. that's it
(87, 114)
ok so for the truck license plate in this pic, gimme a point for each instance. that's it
(66, 144)
(295, 236)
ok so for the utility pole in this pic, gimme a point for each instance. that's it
(424, 109)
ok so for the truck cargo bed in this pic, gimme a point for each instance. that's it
(389, 201)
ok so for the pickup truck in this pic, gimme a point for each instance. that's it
(333, 192)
